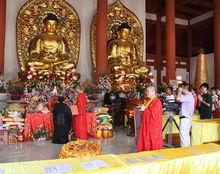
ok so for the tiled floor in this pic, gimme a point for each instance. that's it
(29, 151)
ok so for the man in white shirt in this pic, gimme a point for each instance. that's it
(186, 112)
(169, 95)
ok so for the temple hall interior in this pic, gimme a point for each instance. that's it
(109, 86)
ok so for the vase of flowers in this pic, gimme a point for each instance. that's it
(40, 134)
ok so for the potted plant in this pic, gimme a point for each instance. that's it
(40, 134)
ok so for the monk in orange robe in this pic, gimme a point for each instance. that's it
(150, 137)
(80, 125)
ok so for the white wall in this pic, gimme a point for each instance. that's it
(183, 74)
(86, 9)
(11, 61)
(180, 72)
(154, 72)
(210, 63)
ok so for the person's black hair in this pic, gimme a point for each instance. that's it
(205, 85)
(61, 99)
(213, 89)
(194, 89)
(170, 88)
(124, 25)
(50, 16)
(187, 86)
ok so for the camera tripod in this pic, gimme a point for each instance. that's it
(170, 120)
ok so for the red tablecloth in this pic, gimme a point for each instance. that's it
(91, 123)
(33, 121)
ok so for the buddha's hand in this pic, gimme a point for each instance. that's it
(34, 55)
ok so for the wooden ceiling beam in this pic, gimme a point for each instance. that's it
(189, 10)
(200, 3)
(181, 3)
(178, 4)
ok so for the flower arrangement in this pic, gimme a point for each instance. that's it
(105, 82)
(34, 75)
(40, 132)
(2, 84)
(90, 88)
(15, 133)
(15, 87)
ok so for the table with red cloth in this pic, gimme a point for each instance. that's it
(34, 120)
(91, 123)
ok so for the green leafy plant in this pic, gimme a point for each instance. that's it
(4, 112)
(40, 132)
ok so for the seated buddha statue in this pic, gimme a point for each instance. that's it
(48, 51)
(122, 57)
(120, 50)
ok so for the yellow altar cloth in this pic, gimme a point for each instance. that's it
(206, 130)
(201, 159)
(37, 167)
(189, 160)
(174, 128)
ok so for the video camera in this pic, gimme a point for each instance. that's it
(171, 106)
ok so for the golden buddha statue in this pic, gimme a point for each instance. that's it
(122, 58)
(120, 50)
(48, 51)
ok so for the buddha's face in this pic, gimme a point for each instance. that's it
(51, 26)
(124, 33)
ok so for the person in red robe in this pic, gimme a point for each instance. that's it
(150, 137)
(79, 124)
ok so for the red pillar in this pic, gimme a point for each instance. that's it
(159, 61)
(2, 33)
(170, 41)
(217, 42)
(101, 37)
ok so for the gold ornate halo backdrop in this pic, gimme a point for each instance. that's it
(30, 21)
(117, 14)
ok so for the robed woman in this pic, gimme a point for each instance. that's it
(62, 117)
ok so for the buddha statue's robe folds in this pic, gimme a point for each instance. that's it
(122, 57)
(48, 51)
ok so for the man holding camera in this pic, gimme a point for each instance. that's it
(186, 99)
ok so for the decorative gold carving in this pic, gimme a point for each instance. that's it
(30, 22)
(116, 15)
(201, 75)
